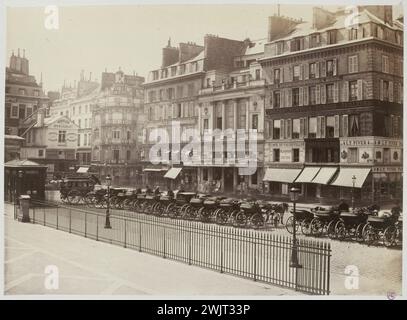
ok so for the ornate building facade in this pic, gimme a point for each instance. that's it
(334, 105)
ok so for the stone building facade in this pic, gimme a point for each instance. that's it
(117, 119)
(334, 106)
(23, 95)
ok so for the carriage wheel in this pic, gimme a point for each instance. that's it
(127, 204)
(389, 236)
(240, 219)
(135, 206)
(316, 227)
(306, 227)
(74, 196)
(358, 232)
(189, 213)
(330, 229)
(289, 225)
(89, 200)
(172, 210)
(369, 234)
(257, 221)
(222, 217)
(340, 230)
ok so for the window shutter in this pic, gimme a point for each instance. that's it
(288, 126)
(323, 69)
(305, 92)
(301, 72)
(336, 92)
(317, 70)
(305, 127)
(381, 89)
(323, 126)
(290, 73)
(345, 125)
(282, 129)
(360, 90)
(336, 128)
(334, 67)
(271, 99)
(345, 91)
(318, 94)
(281, 75)
(306, 71)
(282, 94)
(271, 128)
(290, 98)
(356, 64)
(272, 77)
(318, 127)
(323, 93)
(301, 97)
(301, 128)
(391, 91)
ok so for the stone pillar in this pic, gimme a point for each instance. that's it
(235, 179)
(235, 114)
(222, 184)
(25, 208)
(223, 115)
(247, 114)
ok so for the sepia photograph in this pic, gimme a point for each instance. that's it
(203, 150)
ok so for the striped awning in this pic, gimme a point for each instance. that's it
(347, 176)
(308, 174)
(325, 175)
(172, 173)
(281, 175)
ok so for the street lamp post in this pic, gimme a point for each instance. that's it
(353, 192)
(107, 222)
(19, 184)
(294, 251)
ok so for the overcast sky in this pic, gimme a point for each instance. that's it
(128, 36)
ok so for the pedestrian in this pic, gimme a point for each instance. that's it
(343, 206)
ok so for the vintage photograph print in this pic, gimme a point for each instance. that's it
(203, 150)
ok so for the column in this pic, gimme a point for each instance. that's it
(222, 185)
(247, 114)
(235, 114)
(223, 115)
(235, 179)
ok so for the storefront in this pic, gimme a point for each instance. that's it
(24, 177)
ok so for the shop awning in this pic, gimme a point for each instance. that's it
(172, 173)
(281, 175)
(325, 175)
(82, 170)
(344, 178)
(154, 169)
(307, 174)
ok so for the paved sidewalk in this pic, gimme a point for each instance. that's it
(89, 267)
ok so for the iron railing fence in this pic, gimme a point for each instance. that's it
(253, 254)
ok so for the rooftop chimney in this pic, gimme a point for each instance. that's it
(280, 27)
(322, 18)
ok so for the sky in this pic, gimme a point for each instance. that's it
(95, 38)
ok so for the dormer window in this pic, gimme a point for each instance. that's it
(280, 47)
(173, 71)
(315, 40)
(331, 37)
(353, 34)
(297, 44)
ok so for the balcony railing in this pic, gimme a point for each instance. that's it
(232, 86)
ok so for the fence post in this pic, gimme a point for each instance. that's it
(125, 233)
(164, 243)
(33, 213)
(254, 260)
(86, 223)
(221, 250)
(190, 248)
(70, 220)
(139, 236)
(45, 215)
(97, 227)
(57, 218)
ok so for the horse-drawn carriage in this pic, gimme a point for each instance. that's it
(73, 190)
